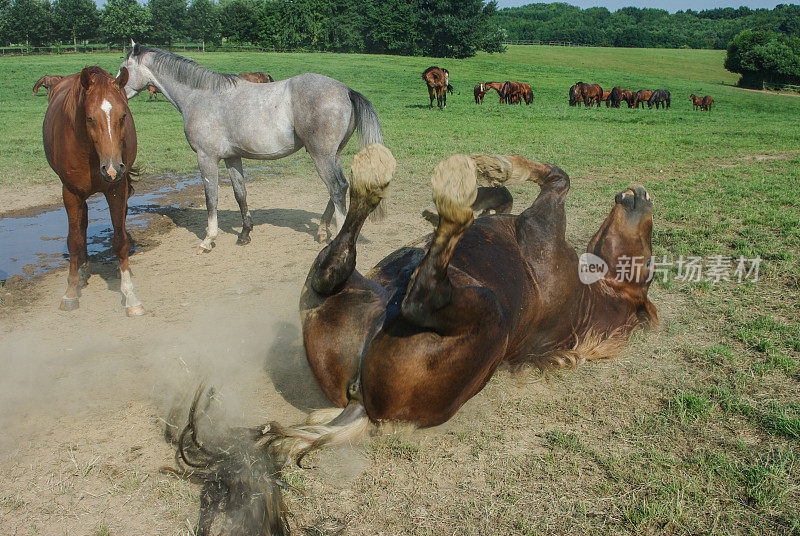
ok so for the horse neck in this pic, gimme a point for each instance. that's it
(602, 309)
(175, 91)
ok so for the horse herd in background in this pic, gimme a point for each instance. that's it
(591, 94)
(509, 92)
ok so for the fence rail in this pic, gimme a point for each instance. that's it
(548, 43)
(781, 87)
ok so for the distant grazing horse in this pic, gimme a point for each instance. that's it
(697, 102)
(424, 331)
(438, 82)
(627, 95)
(614, 97)
(659, 97)
(90, 142)
(707, 102)
(153, 90)
(480, 90)
(497, 86)
(225, 117)
(641, 96)
(590, 93)
(604, 97)
(516, 93)
(47, 82)
(575, 95)
(257, 78)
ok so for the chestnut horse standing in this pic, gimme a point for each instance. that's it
(257, 78)
(642, 96)
(497, 86)
(589, 93)
(438, 81)
(707, 102)
(480, 90)
(47, 82)
(90, 142)
(627, 95)
(154, 91)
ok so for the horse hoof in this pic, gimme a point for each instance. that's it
(242, 240)
(136, 310)
(69, 304)
(203, 249)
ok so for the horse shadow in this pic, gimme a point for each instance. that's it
(195, 220)
(286, 365)
(417, 106)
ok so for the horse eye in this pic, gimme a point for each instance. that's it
(88, 118)
(122, 119)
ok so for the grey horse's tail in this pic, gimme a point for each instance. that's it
(369, 131)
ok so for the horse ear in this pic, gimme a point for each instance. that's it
(122, 78)
(136, 49)
(86, 78)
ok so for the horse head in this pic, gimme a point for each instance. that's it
(139, 75)
(106, 111)
(624, 243)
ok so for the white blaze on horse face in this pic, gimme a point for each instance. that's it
(106, 107)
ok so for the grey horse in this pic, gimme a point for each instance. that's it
(228, 118)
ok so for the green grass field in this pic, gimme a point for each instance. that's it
(707, 441)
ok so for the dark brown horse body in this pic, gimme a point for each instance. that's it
(516, 93)
(707, 102)
(438, 82)
(575, 95)
(257, 78)
(641, 96)
(590, 93)
(604, 98)
(660, 97)
(425, 329)
(614, 97)
(627, 95)
(47, 82)
(90, 142)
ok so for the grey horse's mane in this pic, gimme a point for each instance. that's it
(187, 71)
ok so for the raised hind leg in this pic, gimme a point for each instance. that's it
(451, 334)
(234, 166)
(117, 197)
(330, 171)
(490, 200)
(76, 245)
(210, 172)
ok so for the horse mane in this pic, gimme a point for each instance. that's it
(187, 71)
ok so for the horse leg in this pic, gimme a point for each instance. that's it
(210, 172)
(117, 197)
(76, 244)
(325, 222)
(372, 167)
(431, 94)
(234, 166)
(330, 171)
(423, 377)
(83, 260)
(496, 199)
(444, 96)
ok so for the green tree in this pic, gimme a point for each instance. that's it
(79, 18)
(125, 19)
(764, 56)
(29, 22)
(458, 28)
(168, 18)
(241, 20)
(202, 21)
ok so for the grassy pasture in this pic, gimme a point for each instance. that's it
(697, 429)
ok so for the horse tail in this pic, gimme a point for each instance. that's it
(449, 88)
(369, 132)
(290, 444)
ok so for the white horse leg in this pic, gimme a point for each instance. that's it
(210, 173)
(234, 166)
(133, 306)
(330, 171)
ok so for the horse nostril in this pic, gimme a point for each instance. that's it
(103, 168)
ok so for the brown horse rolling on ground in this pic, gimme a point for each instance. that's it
(423, 332)
(257, 78)
(642, 96)
(707, 102)
(438, 82)
(90, 142)
(47, 82)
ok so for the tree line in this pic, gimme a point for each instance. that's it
(642, 28)
(442, 28)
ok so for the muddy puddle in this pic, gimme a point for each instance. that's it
(35, 242)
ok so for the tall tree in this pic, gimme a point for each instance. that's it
(167, 20)
(458, 28)
(78, 17)
(29, 22)
(764, 56)
(125, 19)
(202, 21)
(241, 20)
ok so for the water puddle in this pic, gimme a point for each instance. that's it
(31, 245)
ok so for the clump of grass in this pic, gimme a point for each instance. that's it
(688, 407)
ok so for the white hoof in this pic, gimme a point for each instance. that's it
(136, 310)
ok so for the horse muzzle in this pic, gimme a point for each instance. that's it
(113, 173)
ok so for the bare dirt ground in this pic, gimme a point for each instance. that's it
(85, 394)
